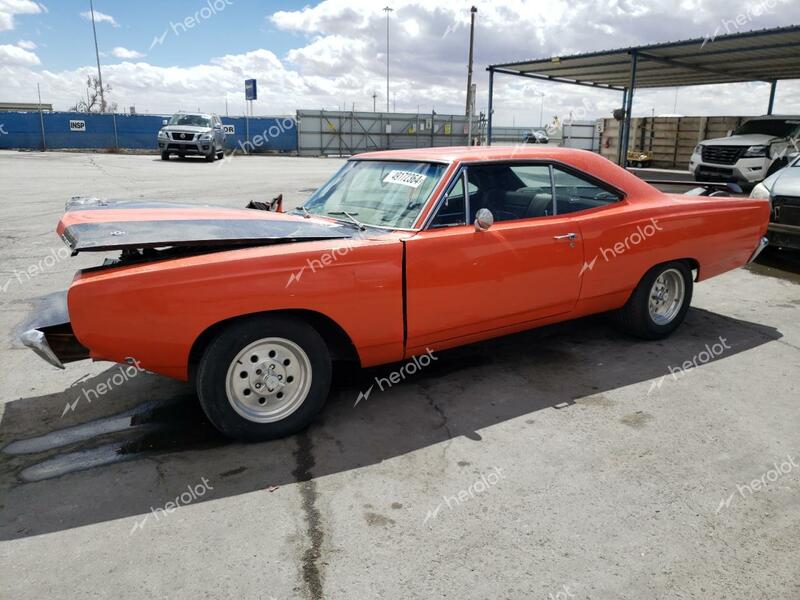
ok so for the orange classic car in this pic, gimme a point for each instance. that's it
(400, 253)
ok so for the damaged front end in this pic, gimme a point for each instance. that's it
(48, 332)
(152, 231)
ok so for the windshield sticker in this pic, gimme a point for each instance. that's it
(408, 178)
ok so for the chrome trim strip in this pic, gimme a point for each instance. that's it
(438, 201)
(762, 243)
(36, 341)
(465, 187)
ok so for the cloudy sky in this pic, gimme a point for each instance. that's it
(163, 56)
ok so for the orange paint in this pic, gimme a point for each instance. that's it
(461, 285)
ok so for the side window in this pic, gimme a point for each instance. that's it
(451, 211)
(574, 193)
(511, 192)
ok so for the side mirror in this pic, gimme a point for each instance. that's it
(484, 219)
(164, 121)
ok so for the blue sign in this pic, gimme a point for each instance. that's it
(250, 91)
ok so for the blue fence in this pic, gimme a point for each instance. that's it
(62, 130)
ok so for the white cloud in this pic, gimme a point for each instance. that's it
(14, 56)
(124, 53)
(27, 44)
(99, 18)
(339, 59)
(11, 8)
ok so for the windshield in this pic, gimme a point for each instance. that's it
(773, 127)
(193, 120)
(382, 193)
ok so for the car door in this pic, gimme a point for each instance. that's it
(463, 283)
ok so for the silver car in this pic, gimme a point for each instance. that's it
(192, 134)
(783, 190)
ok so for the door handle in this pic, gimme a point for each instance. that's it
(566, 236)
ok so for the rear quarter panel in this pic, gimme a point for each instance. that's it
(622, 242)
(154, 312)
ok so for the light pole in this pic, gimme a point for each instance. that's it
(472, 11)
(97, 56)
(387, 10)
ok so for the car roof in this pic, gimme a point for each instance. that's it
(774, 118)
(588, 162)
(477, 153)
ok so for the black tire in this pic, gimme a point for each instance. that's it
(635, 319)
(165, 156)
(211, 156)
(212, 376)
(221, 154)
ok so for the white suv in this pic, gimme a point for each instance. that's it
(754, 151)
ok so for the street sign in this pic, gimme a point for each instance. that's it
(250, 91)
(75, 125)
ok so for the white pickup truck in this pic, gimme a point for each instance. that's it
(754, 151)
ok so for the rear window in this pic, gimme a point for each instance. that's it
(773, 127)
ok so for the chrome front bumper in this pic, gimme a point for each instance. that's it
(763, 243)
(36, 341)
(48, 332)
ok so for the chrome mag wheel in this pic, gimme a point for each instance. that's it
(666, 297)
(268, 380)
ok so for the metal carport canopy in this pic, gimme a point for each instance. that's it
(765, 55)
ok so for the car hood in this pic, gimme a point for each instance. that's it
(752, 139)
(186, 128)
(785, 182)
(92, 225)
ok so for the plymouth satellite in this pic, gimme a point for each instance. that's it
(400, 253)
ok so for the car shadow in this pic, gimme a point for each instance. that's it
(67, 461)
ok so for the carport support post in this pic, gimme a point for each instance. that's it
(628, 108)
(489, 120)
(621, 126)
(772, 87)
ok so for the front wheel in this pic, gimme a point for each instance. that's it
(165, 156)
(264, 377)
(659, 303)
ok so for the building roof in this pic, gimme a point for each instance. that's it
(764, 55)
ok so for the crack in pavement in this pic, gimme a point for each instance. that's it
(312, 578)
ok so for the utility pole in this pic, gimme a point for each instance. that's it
(374, 97)
(387, 10)
(472, 11)
(97, 56)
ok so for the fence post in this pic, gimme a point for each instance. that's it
(116, 139)
(41, 122)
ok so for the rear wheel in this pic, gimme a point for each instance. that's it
(165, 156)
(264, 377)
(221, 154)
(659, 303)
